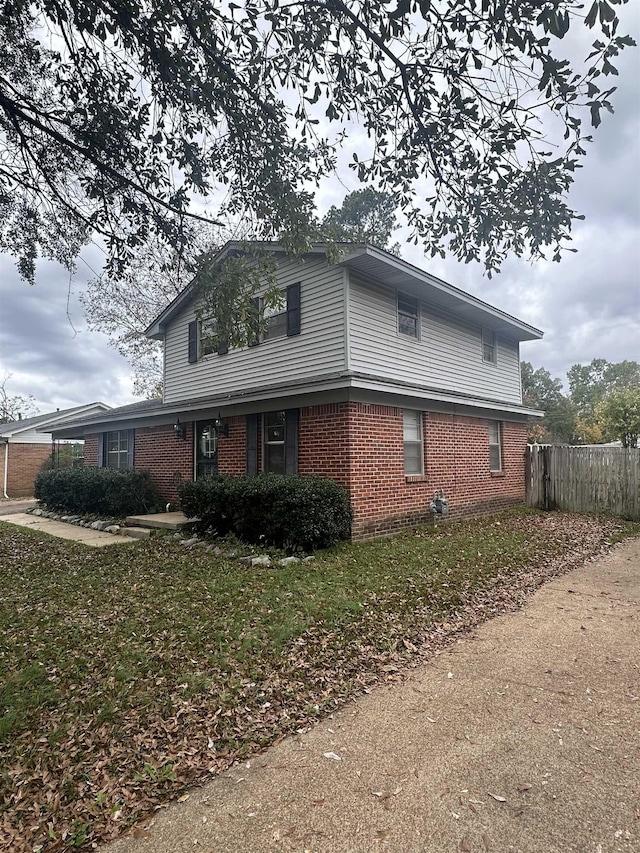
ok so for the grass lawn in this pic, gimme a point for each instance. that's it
(128, 673)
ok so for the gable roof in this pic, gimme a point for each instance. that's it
(43, 423)
(377, 264)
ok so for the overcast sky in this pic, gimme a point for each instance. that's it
(588, 305)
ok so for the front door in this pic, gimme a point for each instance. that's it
(206, 449)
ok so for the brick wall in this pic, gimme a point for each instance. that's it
(232, 449)
(456, 460)
(25, 461)
(91, 451)
(361, 447)
(323, 442)
(168, 458)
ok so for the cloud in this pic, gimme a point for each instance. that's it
(46, 346)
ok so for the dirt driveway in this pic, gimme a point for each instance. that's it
(524, 736)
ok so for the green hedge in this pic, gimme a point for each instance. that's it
(289, 512)
(99, 491)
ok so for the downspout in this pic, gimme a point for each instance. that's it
(6, 469)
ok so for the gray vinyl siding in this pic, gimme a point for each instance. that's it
(318, 350)
(447, 355)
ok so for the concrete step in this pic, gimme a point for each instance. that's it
(136, 532)
(160, 520)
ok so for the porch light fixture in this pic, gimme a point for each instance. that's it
(222, 427)
(180, 430)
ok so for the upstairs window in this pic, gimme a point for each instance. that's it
(489, 346)
(276, 320)
(208, 336)
(408, 316)
(495, 446)
(413, 443)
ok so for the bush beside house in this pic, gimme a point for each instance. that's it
(289, 512)
(98, 490)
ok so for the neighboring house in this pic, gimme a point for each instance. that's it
(26, 444)
(375, 373)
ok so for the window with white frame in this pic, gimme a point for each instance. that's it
(276, 319)
(116, 452)
(495, 446)
(489, 346)
(273, 431)
(408, 316)
(208, 336)
(413, 442)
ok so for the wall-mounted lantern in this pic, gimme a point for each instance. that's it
(222, 427)
(180, 430)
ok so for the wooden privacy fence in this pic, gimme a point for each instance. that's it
(584, 479)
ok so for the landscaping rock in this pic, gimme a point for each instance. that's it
(288, 561)
(37, 511)
(112, 528)
(261, 561)
(246, 560)
(189, 543)
(308, 559)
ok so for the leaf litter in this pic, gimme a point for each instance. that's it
(126, 679)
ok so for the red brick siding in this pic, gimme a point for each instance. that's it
(232, 449)
(24, 463)
(168, 458)
(323, 442)
(361, 447)
(91, 451)
(456, 461)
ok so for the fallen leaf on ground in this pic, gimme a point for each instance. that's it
(332, 755)
(498, 798)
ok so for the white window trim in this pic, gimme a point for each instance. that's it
(498, 444)
(119, 453)
(413, 442)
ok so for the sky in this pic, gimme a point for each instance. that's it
(588, 305)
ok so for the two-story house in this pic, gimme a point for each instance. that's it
(375, 373)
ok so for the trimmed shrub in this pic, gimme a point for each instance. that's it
(99, 491)
(289, 512)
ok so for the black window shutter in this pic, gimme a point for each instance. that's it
(193, 341)
(223, 347)
(291, 441)
(101, 450)
(254, 334)
(293, 309)
(131, 441)
(252, 445)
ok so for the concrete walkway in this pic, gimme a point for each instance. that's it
(523, 737)
(93, 538)
(14, 505)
